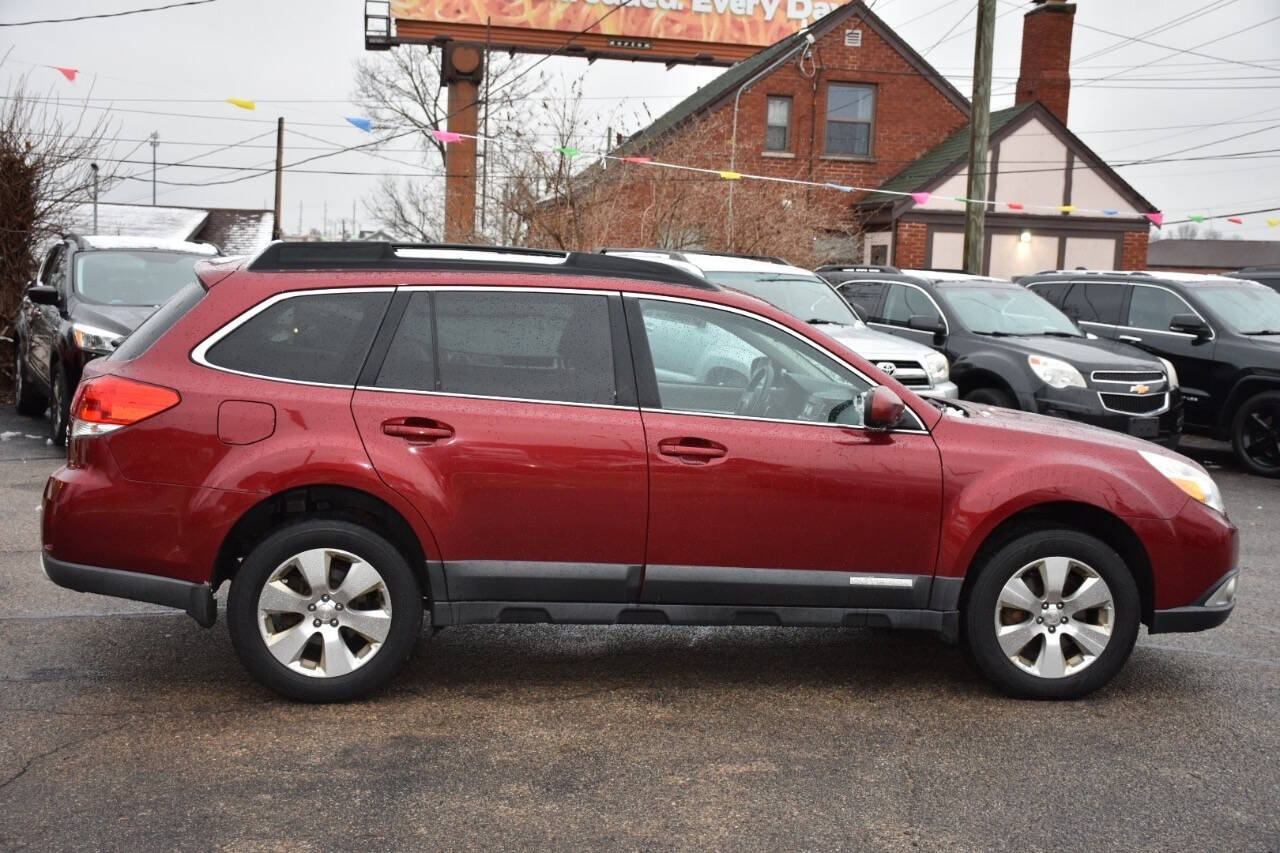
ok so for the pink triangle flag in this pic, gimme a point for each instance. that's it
(921, 198)
(1156, 218)
(69, 73)
(446, 136)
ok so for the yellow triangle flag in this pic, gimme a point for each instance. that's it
(242, 103)
(731, 176)
(1273, 222)
(1067, 208)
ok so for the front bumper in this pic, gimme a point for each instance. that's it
(196, 599)
(1084, 406)
(942, 391)
(1202, 615)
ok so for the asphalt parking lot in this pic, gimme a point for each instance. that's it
(128, 727)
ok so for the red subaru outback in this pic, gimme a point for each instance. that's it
(352, 433)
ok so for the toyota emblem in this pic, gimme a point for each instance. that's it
(886, 367)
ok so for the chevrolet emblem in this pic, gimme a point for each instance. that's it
(1139, 389)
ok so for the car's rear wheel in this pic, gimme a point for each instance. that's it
(992, 397)
(1052, 615)
(1255, 434)
(26, 399)
(324, 611)
(59, 407)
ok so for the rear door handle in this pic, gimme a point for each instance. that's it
(1129, 339)
(423, 430)
(692, 449)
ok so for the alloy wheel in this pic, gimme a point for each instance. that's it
(324, 613)
(1054, 617)
(1260, 438)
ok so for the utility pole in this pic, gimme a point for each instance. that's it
(979, 136)
(94, 167)
(276, 229)
(155, 143)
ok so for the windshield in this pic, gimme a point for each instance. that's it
(132, 277)
(1006, 311)
(1249, 308)
(807, 297)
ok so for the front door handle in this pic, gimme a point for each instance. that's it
(417, 430)
(692, 449)
(1130, 339)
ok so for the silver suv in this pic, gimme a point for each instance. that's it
(804, 295)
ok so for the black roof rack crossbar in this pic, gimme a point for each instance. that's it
(885, 268)
(298, 257)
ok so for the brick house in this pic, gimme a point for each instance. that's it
(848, 102)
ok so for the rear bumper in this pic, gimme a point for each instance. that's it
(196, 599)
(1202, 615)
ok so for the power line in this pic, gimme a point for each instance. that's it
(107, 14)
(1156, 30)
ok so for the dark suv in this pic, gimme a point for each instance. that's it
(1010, 348)
(351, 434)
(90, 292)
(1222, 335)
(1270, 276)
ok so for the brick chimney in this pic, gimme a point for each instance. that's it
(1045, 75)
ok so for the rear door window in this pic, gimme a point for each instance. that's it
(1094, 302)
(555, 347)
(866, 295)
(1051, 291)
(321, 338)
(904, 302)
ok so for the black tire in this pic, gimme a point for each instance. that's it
(980, 614)
(258, 567)
(26, 399)
(1255, 434)
(59, 407)
(992, 397)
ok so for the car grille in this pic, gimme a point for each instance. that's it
(909, 373)
(1129, 377)
(1135, 404)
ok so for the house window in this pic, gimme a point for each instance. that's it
(850, 115)
(777, 133)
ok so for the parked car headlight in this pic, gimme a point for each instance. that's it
(1057, 373)
(1189, 478)
(938, 367)
(1170, 372)
(94, 339)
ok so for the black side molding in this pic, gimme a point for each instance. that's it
(1181, 620)
(194, 598)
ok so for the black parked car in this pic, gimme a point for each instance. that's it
(1270, 276)
(89, 293)
(1010, 348)
(1222, 334)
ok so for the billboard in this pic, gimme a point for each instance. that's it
(710, 31)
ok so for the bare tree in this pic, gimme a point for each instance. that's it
(402, 91)
(45, 172)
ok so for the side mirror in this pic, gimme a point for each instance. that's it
(859, 310)
(924, 323)
(1190, 324)
(43, 294)
(882, 409)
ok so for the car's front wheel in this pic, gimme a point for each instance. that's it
(324, 611)
(1255, 434)
(1052, 615)
(992, 397)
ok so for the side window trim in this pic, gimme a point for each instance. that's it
(647, 378)
(625, 376)
(199, 354)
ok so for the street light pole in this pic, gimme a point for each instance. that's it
(155, 143)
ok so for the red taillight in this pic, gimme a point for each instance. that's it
(115, 401)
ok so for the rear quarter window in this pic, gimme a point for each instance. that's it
(161, 320)
(322, 338)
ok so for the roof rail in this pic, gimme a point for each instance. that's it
(684, 256)
(768, 259)
(1262, 268)
(356, 255)
(1142, 273)
(885, 268)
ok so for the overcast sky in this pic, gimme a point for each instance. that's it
(296, 57)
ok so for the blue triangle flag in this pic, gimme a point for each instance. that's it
(363, 123)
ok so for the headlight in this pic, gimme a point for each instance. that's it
(94, 339)
(1170, 372)
(1058, 374)
(937, 366)
(1189, 478)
